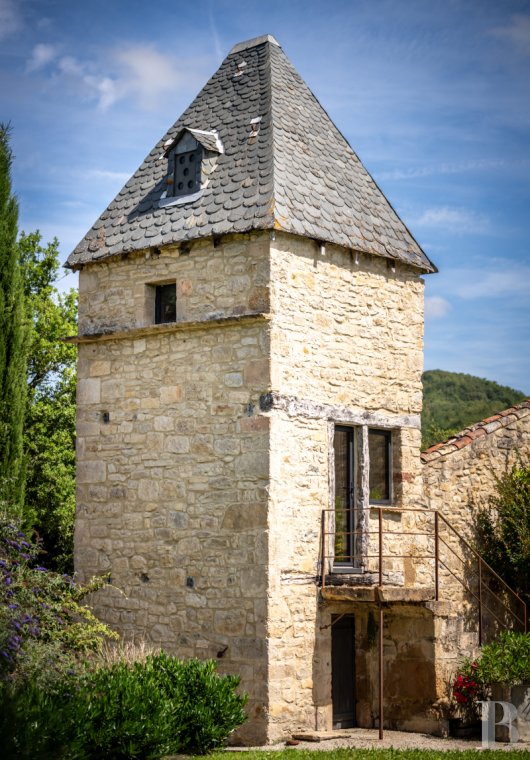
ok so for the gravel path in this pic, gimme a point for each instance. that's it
(364, 738)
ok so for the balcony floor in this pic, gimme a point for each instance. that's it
(347, 593)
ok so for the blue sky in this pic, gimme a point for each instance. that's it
(434, 97)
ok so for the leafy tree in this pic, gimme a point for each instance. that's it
(14, 342)
(50, 419)
(503, 529)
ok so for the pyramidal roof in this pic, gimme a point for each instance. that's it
(283, 165)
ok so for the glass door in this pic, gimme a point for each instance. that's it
(346, 538)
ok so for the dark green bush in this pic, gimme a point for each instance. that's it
(145, 709)
(503, 529)
(505, 660)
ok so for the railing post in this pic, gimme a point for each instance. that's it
(436, 557)
(479, 602)
(323, 532)
(380, 546)
(381, 670)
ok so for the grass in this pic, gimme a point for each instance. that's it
(369, 754)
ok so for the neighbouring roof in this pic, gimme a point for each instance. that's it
(285, 166)
(470, 434)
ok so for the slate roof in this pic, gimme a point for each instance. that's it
(285, 166)
(480, 429)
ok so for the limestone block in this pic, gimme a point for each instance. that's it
(88, 391)
(164, 423)
(111, 390)
(233, 379)
(148, 490)
(230, 622)
(170, 394)
(257, 372)
(177, 444)
(245, 516)
(91, 471)
(98, 368)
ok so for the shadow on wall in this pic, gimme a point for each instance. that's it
(409, 670)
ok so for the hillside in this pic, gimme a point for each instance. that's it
(452, 401)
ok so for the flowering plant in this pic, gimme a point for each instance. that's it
(467, 691)
(44, 628)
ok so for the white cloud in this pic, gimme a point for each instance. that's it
(471, 284)
(71, 66)
(146, 74)
(110, 175)
(10, 20)
(446, 168)
(517, 32)
(101, 88)
(215, 34)
(136, 72)
(455, 220)
(436, 307)
(42, 55)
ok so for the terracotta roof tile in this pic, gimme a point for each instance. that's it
(470, 434)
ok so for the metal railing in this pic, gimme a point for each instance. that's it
(371, 544)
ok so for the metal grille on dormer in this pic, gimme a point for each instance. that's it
(187, 172)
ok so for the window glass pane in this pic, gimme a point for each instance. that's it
(343, 516)
(166, 303)
(379, 451)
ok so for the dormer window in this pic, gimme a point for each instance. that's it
(191, 158)
(187, 157)
(187, 177)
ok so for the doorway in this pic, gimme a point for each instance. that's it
(347, 552)
(343, 671)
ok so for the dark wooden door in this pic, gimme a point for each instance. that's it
(343, 672)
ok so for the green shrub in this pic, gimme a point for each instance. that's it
(505, 660)
(503, 529)
(145, 710)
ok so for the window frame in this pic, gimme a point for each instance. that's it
(159, 288)
(387, 434)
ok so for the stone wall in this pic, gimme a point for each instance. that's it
(173, 459)
(459, 479)
(346, 347)
(459, 474)
(228, 280)
(205, 452)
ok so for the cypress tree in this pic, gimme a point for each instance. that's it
(14, 343)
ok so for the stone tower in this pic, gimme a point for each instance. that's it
(250, 355)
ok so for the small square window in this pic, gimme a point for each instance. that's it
(379, 447)
(166, 303)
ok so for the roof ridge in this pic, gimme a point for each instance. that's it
(477, 430)
(254, 42)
